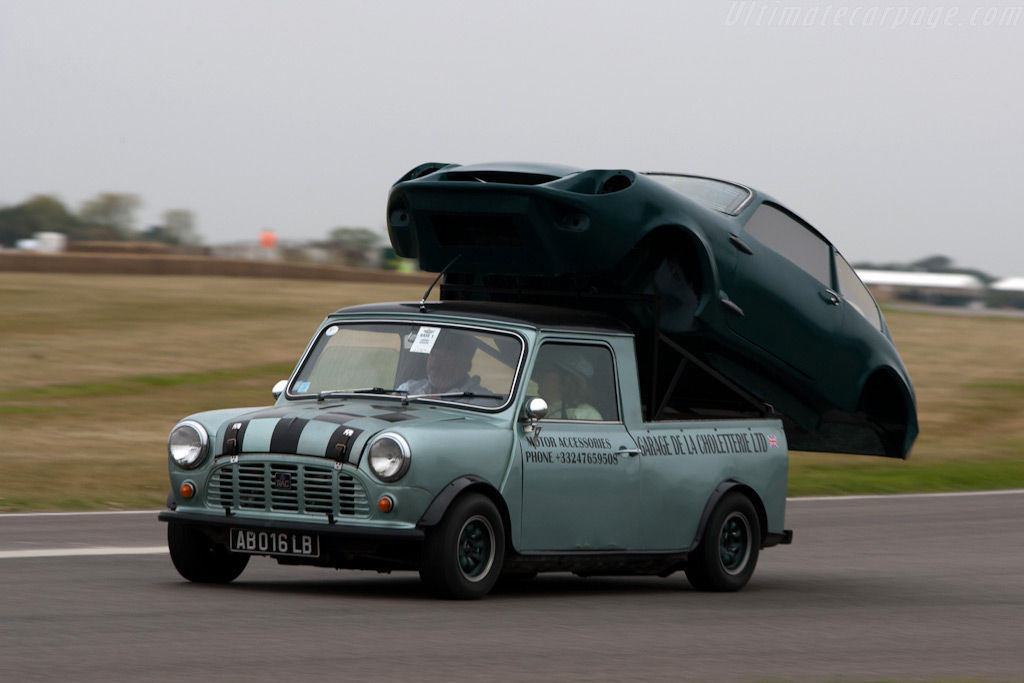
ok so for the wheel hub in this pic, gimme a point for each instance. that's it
(734, 543)
(476, 548)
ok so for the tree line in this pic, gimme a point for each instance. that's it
(107, 217)
(111, 217)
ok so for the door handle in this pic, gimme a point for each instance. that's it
(741, 245)
(631, 452)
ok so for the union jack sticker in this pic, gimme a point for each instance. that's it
(773, 442)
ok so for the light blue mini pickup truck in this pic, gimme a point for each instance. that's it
(466, 441)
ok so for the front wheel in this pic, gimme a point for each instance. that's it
(199, 559)
(727, 553)
(462, 556)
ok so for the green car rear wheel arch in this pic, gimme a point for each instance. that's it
(727, 554)
(463, 555)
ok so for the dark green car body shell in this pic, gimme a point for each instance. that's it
(591, 239)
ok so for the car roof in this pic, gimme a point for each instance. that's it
(531, 315)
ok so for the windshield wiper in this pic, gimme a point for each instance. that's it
(336, 393)
(454, 394)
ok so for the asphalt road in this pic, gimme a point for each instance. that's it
(902, 588)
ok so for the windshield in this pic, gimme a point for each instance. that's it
(411, 362)
(716, 194)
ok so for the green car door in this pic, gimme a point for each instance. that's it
(798, 317)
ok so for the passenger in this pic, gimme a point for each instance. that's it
(563, 383)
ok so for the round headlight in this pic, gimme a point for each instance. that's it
(389, 456)
(188, 443)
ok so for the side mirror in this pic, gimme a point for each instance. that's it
(279, 388)
(536, 409)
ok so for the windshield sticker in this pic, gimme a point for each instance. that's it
(425, 339)
(331, 331)
(303, 387)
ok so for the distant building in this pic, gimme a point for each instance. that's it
(1010, 284)
(44, 243)
(944, 289)
(1007, 292)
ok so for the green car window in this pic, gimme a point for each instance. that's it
(792, 239)
(856, 294)
(577, 381)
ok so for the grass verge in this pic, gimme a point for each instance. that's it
(97, 369)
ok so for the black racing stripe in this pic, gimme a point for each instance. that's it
(340, 444)
(394, 417)
(285, 438)
(337, 418)
(233, 437)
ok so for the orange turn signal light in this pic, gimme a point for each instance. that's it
(187, 490)
(386, 504)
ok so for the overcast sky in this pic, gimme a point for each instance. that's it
(897, 130)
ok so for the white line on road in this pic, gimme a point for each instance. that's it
(891, 496)
(4, 515)
(79, 552)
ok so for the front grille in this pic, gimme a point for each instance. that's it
(287, 487)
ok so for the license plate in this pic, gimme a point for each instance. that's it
(275, 543)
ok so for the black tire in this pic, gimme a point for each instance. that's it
(727, 554)
(199, 559)
(462, 556)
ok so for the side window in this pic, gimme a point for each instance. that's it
(577, 381)
(793, 240)
(856, 294)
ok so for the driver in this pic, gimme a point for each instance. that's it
(448, 367)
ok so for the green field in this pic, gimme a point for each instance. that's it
(97, 369)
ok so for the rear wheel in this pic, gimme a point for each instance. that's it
(727, 554)
(199, 559)
(462, 556)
